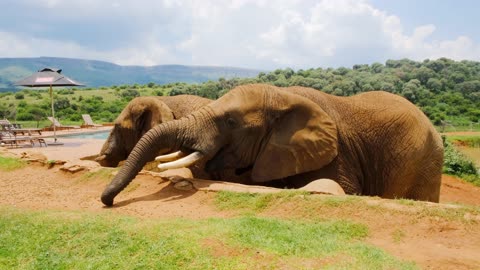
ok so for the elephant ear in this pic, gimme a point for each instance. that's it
(303, 138)
(148, 112)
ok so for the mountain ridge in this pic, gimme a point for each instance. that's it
(96, 73)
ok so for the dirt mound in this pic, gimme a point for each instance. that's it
(402, 230)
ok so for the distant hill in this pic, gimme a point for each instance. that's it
(99, 73)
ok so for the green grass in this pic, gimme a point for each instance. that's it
(458, 163)
(310, 206)
(72, 240)
(466, 140)
(46, 123)
(10, 164)
(252, 202)
(474, 179)
(255, 203)
(458, 128)
(104, 174)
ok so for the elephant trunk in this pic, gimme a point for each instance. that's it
(109, 155)
(145, 150)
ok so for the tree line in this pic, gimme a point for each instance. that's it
(446, 90)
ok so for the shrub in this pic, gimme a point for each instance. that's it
(456, 163)
(19, 95)
(129, 94)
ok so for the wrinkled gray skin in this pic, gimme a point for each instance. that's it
(139, 116)
(374, 143)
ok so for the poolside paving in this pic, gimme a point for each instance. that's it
(72, 149)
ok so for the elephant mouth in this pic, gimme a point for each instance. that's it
(106, 160)
(225, 159)
(240, 171)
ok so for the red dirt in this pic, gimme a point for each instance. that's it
(36, 187)
(433, 243)
(455, 190)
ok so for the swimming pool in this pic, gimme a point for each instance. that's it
(103, 135)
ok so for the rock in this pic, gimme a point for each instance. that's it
(33, 156)
(173, 175)
(324, 186)
(184, 185)
(79, 165)
(176, 175)
(150, 166)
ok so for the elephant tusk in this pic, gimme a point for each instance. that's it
(170, 157)
(100, 158)
(181, 163)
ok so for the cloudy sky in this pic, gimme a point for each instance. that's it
(262, 34)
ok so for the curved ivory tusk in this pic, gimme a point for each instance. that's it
(170, 157)
(100, 158)
(181, 163)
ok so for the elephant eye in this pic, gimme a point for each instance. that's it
(231, 123)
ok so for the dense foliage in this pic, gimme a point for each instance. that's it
(444, 89)
(456, 163)
(447, 91)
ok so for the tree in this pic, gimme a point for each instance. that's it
(411, 89)
(377, 67)
(423, 74)
(19, 95)
(468, 87)
(129, 94)
(61, 103)
(37, 114)
(435, 85)
(4, 111)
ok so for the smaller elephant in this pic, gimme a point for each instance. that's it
(139, 116)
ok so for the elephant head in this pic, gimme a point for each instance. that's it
(254, 126)
(139, 116)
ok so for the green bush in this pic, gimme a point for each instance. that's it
(456, 163)
(19, 95)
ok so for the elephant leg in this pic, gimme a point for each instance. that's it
(426, 188)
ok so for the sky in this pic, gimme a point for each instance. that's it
(258, 34)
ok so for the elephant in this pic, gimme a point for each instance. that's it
(374, 143)
(139, 116)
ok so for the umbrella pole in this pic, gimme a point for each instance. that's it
(53, 115)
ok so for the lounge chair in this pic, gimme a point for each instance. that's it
(17, 128)
(4, 122)
(88, 122)
(59, 126)
(12, 140)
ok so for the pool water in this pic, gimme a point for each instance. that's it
(94, 135)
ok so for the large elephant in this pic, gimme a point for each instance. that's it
(139, 116)
(374, 143)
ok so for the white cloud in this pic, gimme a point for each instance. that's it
(248, 33)
(335, 30)
(149, 53)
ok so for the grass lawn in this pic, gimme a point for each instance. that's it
(73, 240)
(10, 164)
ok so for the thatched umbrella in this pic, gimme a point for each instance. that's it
(48, 77)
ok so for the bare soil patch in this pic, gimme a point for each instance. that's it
(36, 187)
(455, 190)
